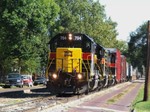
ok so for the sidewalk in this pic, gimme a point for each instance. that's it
(115, 101)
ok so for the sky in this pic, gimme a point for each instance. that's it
(128, 14)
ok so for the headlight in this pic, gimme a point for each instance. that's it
(54, 76)
(79, 76)
(70, 36)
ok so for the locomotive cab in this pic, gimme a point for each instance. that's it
(114, 63)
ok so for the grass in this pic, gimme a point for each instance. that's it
(119, 95)
(138, 104)
(115, 98)
(14, 101)
(2, 84)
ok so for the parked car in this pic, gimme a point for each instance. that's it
(14, 79)
(27, 80)
(40, 80)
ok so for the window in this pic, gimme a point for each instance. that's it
(86, 46)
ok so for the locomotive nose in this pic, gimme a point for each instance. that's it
(69, 59)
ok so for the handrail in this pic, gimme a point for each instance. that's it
(88, 62)
(99, 68)
(86, 69)
(49, 67)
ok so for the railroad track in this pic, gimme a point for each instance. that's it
(27, 106)
(39, 104)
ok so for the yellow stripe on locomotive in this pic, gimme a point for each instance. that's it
(69, 59)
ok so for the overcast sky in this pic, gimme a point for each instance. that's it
(129, 14)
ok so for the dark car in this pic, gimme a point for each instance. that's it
(40, 80)
(14, 79)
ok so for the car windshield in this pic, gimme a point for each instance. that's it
(13, 75)
(24, 77)
(40, 78)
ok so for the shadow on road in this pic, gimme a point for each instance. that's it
(26, 93)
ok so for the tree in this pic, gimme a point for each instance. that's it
(86, 16)
(122, 46)
(137, 47)
(24, 28)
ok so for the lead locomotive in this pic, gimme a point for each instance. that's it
(77, 64)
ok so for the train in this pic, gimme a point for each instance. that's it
(77, 64)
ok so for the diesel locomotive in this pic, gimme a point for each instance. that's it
(77, 64)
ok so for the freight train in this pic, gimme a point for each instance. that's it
(77, 64)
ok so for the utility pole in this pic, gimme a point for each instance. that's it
(147, 75)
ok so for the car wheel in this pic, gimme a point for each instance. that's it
(31, 85)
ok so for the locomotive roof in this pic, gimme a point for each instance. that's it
(100, 46)
(83, 36)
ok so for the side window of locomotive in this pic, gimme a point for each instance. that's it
(108, 57)
(101, 52)
(86, 46)
(113, 58)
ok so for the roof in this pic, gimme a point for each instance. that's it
(111, 50)
(83, 36)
